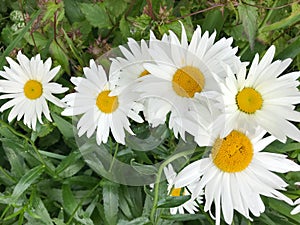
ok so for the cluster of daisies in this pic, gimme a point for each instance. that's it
(199, 88)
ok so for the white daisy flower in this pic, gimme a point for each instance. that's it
(99, 108)
(263, 97)
(28, 86)
(190, 205)
(183, 72)
(236, 173)
(297, 202)
(127, 70)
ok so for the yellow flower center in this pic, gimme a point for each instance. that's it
(249, 100)
(233, 153)
(187, 81)
(144, 73)
(105, 103)
(175, 192)
(33, 89)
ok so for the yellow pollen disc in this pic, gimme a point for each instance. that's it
(175, 192)
(105, 103)
(249, 100)
(144, 73)
(187, 81)
(33, 89)
(233, 153)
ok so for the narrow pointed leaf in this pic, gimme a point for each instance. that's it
(28, 179)
(249, 16)
(111, 201)
(171, 201)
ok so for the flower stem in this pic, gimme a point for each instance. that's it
(158, 178)
(114, 158)
(28, 140)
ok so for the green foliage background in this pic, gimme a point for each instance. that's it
(43, 177)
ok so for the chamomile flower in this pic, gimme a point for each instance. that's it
(236, 173)
(102, 108)
(190, 205)
(263, 97)
(297, 202)
(28, 85)
(183, 72)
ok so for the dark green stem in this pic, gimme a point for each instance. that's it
(158, 178)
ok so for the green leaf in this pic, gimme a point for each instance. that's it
(214, 20)
(24, 183)
(7, 35)
(58, 53)
(52, 155)
(148, 203)
(124, 27)
(115, 7)
(69, 201)
(111, 201)
(137, 221)
(284, 209)
(15, 214)
(96, 14)
(84, 181)
(248, 15)
(72, 169)
(73, 12)
(172, 201)
(15, 160)
(124, 206)
(184, 217)
(279, 147)
(237, 33)
(157, 136)
(131, 201)
(291, 51)
(43, 130)
(39, 209)
(7, 133)
(16, 40)
(39, 40)
(267, 220)
(96, 156)
(90, 209)
(50, 139)
(64, 126)
(144, 169)
(174, 26)
(70, 165)
(6, 178)
(52, 8)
